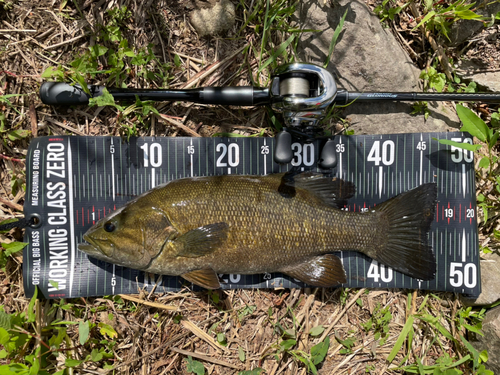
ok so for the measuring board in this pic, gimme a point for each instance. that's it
(72, 182)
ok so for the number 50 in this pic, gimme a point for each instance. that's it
(467, 277)
(458, 153)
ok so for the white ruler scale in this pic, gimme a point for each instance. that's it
(99, 174)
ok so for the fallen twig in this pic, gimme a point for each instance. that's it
(17, 31)
(211, 69)
(66, 41)
(180, 125)
(33, 119)
(15, 206)
(64, 126)
(202, 335)
(349, 304)
(148, 303)
(11, 159)
(206, 358)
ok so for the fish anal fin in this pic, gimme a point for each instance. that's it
(206, 278)
(324, 271)
(201, 241)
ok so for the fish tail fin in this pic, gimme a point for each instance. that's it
(408, 217)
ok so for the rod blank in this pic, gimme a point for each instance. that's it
(61, 93)
(345, 97)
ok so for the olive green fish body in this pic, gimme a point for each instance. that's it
(267, 232)
(203, 226)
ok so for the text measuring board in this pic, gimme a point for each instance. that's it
(75, 181)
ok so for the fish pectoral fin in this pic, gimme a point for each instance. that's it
(201, 241)
(331, 192)
(324, 271)
(206, 278)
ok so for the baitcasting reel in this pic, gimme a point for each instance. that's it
(301, 92)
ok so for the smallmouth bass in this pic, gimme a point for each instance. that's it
(203, 226)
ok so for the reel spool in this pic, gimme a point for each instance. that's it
(295, 85)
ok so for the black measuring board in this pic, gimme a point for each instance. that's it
(72, 182)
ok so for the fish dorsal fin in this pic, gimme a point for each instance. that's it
(324, 271)
(332, 192)
(206, 278)
(201, 241)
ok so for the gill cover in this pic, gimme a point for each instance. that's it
(131, 236)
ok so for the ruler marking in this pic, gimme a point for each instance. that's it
(340, 158)
(191, 155)
(113, 170)
(265, 158)
(464, 247)
(421, 158)
(380, 180)
(464, 179)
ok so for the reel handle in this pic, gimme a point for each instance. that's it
(328, 158)
(283, 153)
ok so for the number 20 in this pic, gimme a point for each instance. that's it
(232, 151)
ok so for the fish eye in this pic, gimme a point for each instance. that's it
(109, 227)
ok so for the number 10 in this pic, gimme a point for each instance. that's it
(153, 155)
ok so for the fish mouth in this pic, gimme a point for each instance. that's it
(93, 248)
(86, 248)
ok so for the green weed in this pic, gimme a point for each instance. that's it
(6, 5)
(255, 371)
(421, 107)
(112, 59)
(8, 249)
(288, 339)
(310, 359)
(194, 367)
(19, 335)
(14, 133)
(335, 37)
(379, 323)
(347, 343)
(271, 21)
(387, 11)
(431, 321)
(245, 312)
(439, 82)
(474, 125)
(439, 16)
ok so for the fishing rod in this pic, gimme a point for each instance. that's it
(301, 92)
